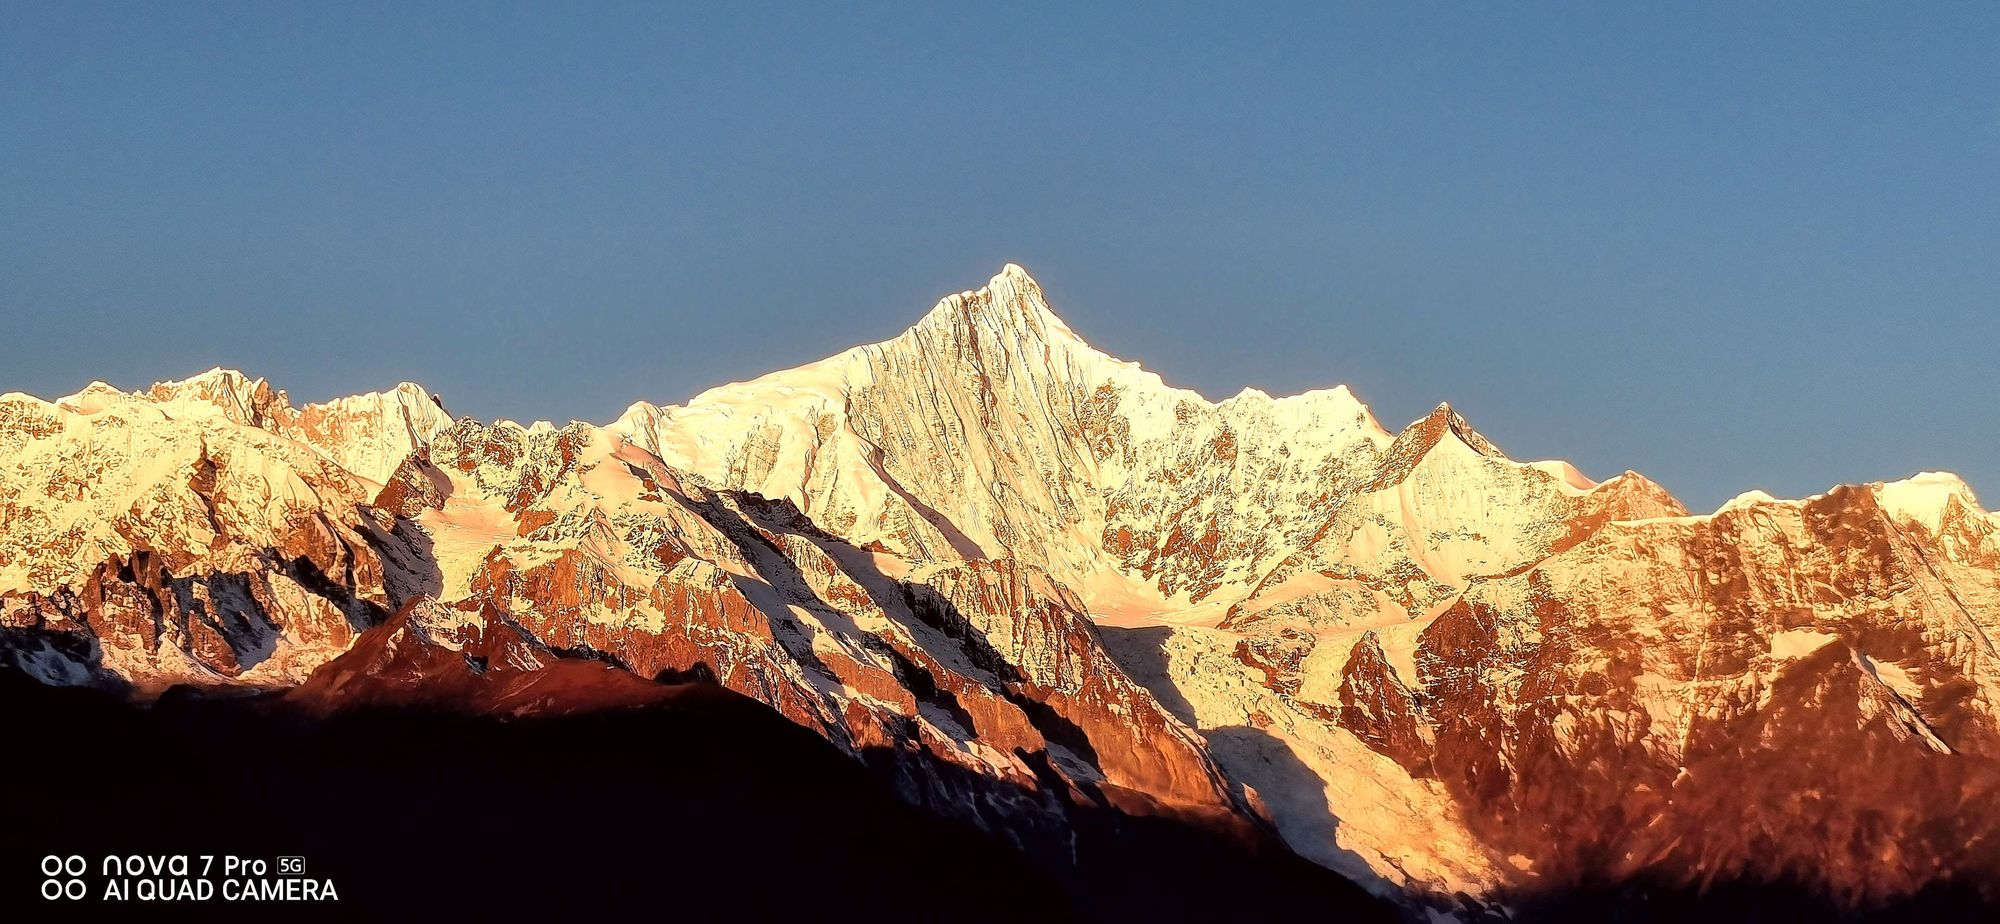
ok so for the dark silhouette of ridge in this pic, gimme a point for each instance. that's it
(706, 805)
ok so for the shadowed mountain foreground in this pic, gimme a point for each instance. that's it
(685, 800)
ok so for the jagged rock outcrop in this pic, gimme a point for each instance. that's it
(180, 549)
(435, 657)
(1817, 671)
(1380, 710)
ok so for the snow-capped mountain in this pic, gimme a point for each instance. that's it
(1027, 580)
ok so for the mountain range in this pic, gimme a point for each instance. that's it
(1042, 595)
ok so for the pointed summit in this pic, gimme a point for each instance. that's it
(235, 396)
(1444, 417)
(1010, 306)
(1442, 420)
(1418, 440)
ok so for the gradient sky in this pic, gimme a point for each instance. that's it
(1728, 247)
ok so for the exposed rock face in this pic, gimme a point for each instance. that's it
(1013, 622)
(1030, 581)
(1818, 671)
(595, 546)
(431, 656)
(179, 549)
(1381, 711)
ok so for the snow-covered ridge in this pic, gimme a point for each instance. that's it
(989, 427)
(1926, 497)
(1010, 307)
(1921, 500)
(1099, 463)
(368, 434)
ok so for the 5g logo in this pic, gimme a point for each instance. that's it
(56, 886)
(291, 866)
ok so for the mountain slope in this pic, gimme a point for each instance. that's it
(989, 429)
(1817, 672)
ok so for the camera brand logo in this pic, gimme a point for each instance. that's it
(64, 878)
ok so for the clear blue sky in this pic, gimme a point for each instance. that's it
(1731, 247)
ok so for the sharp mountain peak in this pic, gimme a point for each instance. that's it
(1012, 302)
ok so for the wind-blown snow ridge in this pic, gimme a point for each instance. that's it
(368, 434)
